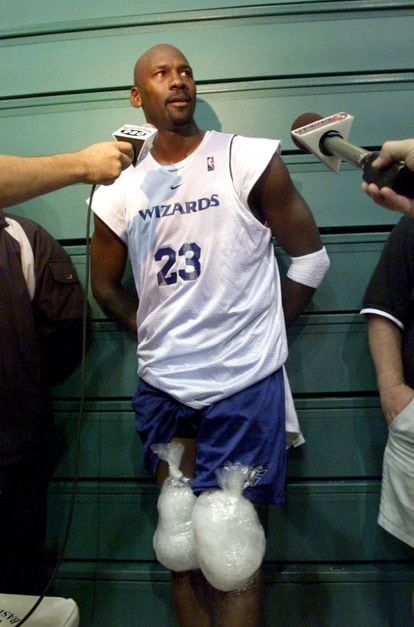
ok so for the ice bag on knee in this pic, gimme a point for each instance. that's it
(173, 540)
(230, 541)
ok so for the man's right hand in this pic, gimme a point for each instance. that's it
(394, 399)
(393, 151)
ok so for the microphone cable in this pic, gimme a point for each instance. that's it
(79, 421)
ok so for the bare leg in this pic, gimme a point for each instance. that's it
(193, 599)
(192, 595)
(196, 601)
(241, 608)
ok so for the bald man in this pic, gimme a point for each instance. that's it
(197, 215)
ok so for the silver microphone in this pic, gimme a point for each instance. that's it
(141, 137)
(327, 138)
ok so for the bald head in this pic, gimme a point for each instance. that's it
(165, 90)
(152, 57)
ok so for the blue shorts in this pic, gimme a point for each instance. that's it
(247, 427)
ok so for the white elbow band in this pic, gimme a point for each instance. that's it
(309, 269)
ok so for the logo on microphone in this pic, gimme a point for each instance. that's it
(321, 123)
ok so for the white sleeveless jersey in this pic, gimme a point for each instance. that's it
(210, 319)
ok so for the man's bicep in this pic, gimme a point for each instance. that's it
(285, 211)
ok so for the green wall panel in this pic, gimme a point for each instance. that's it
(336, 200)
(110, 521)
(73, 59)
(341, 342)
(53, 15)
(116, 603)
(341, 290)
(264, 108)
(314, 342)
(322, 521)
(371, 596)
(111, 366)
(65, 75)
(353, 259)
(345, 438)
(375, 604)
(331, 521)
(252, 107)
(110, 446)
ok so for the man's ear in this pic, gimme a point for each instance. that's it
(135, 97)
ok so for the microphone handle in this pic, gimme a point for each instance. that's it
(332, 143)
(396, 176)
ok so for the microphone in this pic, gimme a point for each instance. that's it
(327, 138)
(140, 137)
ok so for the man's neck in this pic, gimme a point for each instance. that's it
(172, 147)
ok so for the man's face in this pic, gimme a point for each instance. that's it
(165, 88)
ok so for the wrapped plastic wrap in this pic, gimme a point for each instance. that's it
(230, 541)
(173, 540)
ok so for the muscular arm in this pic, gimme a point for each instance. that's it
(275, 200)
(385, 345)
(108, 259)
(22, 178)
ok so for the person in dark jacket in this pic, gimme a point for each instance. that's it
(41, 323)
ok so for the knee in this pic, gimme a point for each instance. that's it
(173, 540)
(229, 540)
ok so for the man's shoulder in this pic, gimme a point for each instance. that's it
(246, 148)
(29, 226)
(26, 223)
(402, 233)
(40, 239)
(406, 224)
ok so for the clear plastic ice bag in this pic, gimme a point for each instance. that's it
(173, 539)
(230, 540)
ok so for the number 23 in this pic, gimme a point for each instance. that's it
(191, 270)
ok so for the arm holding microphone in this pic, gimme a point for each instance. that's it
(391, 170)
(391, 152)
(22, 178)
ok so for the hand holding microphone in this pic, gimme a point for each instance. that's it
(326, 138)
(402, 150)
(141, 137)
(385, 196)
(102, 163)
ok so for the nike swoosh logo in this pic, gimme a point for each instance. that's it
(175, 186)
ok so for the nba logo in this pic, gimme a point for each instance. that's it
(210, 164)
